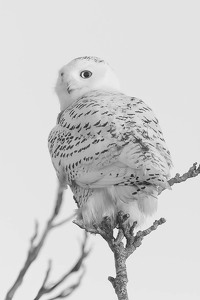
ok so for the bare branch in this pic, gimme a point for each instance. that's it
(47, 288)
(47, 272)
(35, 234)
(68, 291)
(62, 222)
(133, 241)
(192, 172)
(35, 249)
(121, 251)
(151, 228)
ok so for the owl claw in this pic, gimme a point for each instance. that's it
(121, 217)
(106, 223)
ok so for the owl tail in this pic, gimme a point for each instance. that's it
(138, 203)
(99, 205)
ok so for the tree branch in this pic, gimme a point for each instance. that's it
(47, 288)
(34, 248)
(68, 291)
(123, 250)
(192, 172)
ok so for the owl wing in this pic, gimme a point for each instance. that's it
(108, 138)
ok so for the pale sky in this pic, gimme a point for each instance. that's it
(154, 47)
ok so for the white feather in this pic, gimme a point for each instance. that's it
(109, 201)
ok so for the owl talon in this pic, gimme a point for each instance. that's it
(121, 218)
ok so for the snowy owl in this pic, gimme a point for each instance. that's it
(109, 146)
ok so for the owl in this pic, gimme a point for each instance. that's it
(108, 146)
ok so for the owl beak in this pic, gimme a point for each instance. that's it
(69, 88)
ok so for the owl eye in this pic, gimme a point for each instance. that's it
(86, 74)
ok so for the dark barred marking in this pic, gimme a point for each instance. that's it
(96, 111)
(93, 58)
(96, 124)
(87, 113)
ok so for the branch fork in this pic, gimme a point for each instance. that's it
(123, 244)
(127, 233)
(120, 249)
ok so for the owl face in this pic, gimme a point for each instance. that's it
(82, 75)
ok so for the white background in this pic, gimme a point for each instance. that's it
(155, 50)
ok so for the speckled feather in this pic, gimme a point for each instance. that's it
(108, 139)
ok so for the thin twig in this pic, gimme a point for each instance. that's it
(121, 251)
(34, 250)
(47, 288)
(192, 172)
(62, 222)
(47, 272)
(68, 291)
(35, 234)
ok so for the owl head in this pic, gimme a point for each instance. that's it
(83, 75)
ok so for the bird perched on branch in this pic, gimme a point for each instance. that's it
(108, 146)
